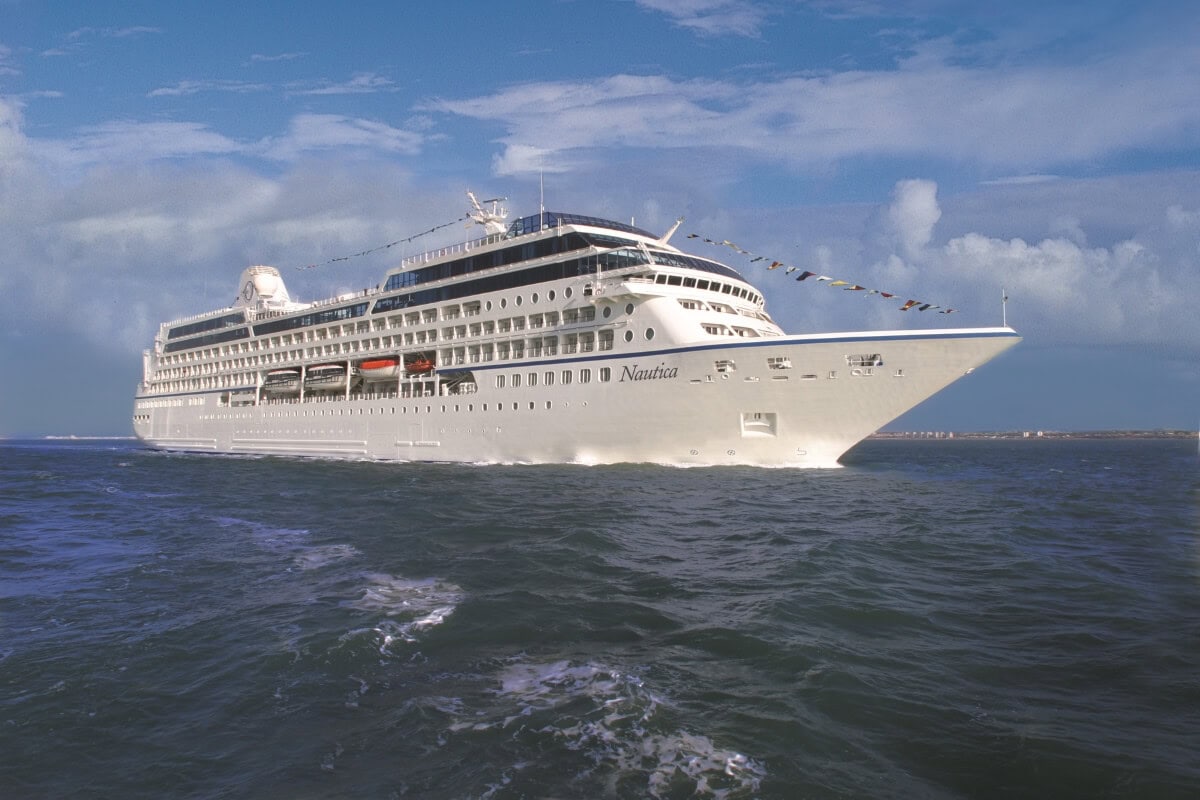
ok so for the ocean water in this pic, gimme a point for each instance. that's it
(950, 619)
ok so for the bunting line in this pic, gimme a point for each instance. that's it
(434, 229)
(846, 286)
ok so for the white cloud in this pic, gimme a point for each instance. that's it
(1061, 289)
(111, 33)
(13, 147)
(712, 17)
(6, 67)
(183, 88)
(128, 141)
(361, 83)
(311, 132)
(264, 58)
(1003, 117)
(1180, 218)
(913, 213)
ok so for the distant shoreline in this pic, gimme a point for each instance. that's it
(931, 435)
(1035, 435)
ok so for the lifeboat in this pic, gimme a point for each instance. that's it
(418, 365)
(282, 381)
(378, 369)
(325, 378)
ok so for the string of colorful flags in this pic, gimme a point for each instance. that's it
(389, 244)
(804, 275)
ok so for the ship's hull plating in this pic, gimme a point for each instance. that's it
(790, 401)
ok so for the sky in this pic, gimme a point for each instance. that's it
(952, 152)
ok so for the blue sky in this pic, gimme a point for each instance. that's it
(150, 151)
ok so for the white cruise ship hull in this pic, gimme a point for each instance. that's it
(790, 401)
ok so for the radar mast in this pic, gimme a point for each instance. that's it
(493, 220)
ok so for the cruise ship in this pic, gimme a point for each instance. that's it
(556, 338)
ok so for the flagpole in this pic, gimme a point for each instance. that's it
(1003, 307)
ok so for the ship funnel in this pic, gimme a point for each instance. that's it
(262, 288)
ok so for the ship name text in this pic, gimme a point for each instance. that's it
(661, 372)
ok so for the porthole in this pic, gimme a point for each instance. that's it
(607, 312)
(649, 334)
(567, 292)
(629, 336)
(488, 305)
(503, 302)
(534, 298)
(550, 295)
(629, 308)
(518, 300)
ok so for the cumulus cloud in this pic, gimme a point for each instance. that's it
(1062, 289)
(913, 213)
(129, 236)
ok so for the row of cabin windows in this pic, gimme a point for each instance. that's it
(566, 376)
(583, 342)
(568, 316)
(369, 411)
(540, 274)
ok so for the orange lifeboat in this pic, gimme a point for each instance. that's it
(376, 369)
(418, 365)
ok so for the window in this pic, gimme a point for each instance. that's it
(605, 374)
(585, 376)
(566, 376)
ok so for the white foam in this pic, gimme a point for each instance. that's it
(410, 607)
(609, 717)
(324, 555)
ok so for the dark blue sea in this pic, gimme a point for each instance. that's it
(937, 619)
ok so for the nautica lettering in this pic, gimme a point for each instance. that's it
(661, 372)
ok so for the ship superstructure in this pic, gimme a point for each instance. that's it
(555, 338)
